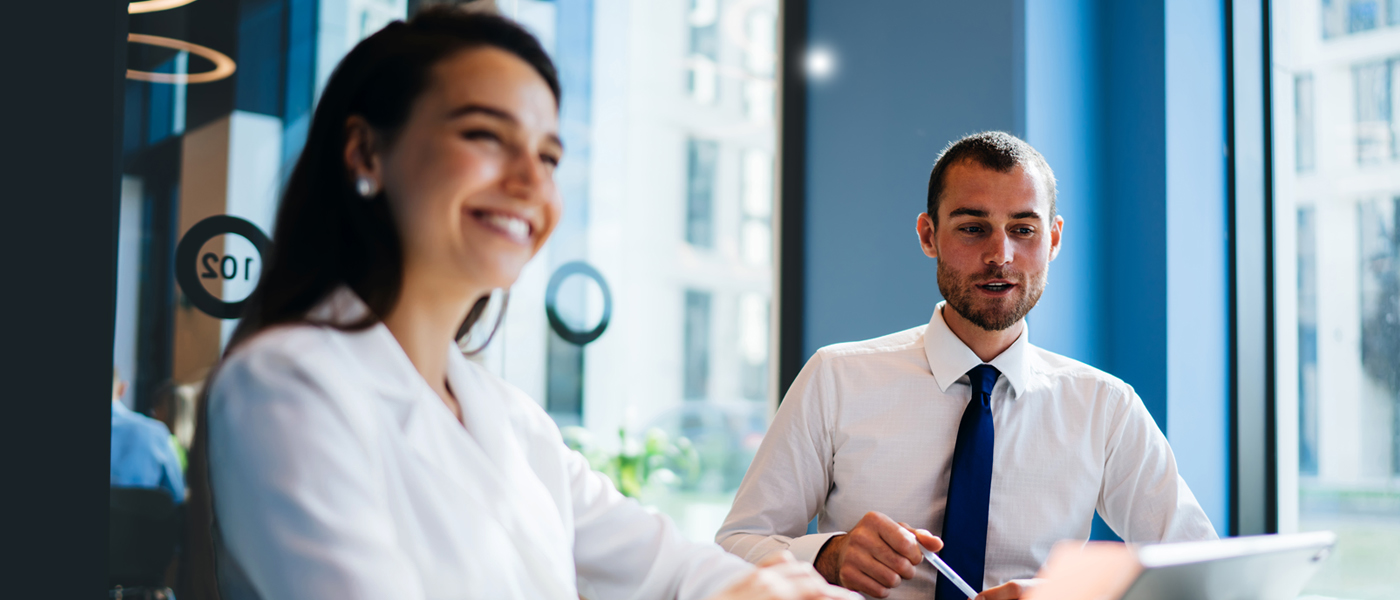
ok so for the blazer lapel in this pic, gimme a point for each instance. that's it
(486, 467)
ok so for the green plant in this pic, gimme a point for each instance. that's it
(635, 464)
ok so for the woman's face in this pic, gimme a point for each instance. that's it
(470, 177)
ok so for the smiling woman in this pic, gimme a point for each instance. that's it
(347, 447)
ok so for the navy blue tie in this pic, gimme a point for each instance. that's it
(970, 488)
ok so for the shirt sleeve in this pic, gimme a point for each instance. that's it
(298, 493)
(788, 482)
(1144, 499)
(622, 550)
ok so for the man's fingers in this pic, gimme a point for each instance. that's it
(928, 540)
(871, 567)
(854, 579)
(890, 559)
(925, 539)
(898, 538)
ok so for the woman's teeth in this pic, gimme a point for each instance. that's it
(513, 226)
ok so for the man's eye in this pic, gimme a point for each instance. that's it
(972, 229)
(1025, 231)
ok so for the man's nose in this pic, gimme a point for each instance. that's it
(1000, 251)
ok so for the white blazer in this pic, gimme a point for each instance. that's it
(338, 473)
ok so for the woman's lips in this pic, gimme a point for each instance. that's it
(515, 228)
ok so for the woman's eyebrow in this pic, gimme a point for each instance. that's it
(468, 109)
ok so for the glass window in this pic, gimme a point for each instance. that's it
(1303, 107)
(701, 159)
(1374, 126)
(618, 326)
(1337, 261)
(1345, 17)
(697, 345)
(668, 187)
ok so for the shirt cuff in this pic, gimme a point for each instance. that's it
(805, 548)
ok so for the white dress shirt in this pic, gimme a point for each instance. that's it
(339, 474)
(870, 426)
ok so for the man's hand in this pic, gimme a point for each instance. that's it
(875, 556)
(782, 577)
(1011, 590)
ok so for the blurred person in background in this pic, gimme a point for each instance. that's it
(347, 449)
(144, 454)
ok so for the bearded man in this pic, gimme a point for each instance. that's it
(961, 436)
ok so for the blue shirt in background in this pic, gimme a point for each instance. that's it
(143, 454)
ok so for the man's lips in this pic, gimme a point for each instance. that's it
(996, 287)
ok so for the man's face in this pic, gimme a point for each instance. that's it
(994, 242)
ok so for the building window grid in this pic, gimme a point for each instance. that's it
(1375, 111)
(1341, 18)
(1305, 123)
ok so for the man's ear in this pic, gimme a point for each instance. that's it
(362, 150)
(1056, 229)
(927, 235)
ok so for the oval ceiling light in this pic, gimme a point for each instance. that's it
(148, 6)
(223, 65)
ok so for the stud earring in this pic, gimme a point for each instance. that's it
(365, 187)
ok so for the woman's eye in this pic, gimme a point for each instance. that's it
(550, 160)
(482, 134)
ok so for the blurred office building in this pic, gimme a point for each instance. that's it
(1336, 151)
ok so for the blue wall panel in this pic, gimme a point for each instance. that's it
(906, 82)
(1197, 241)
(1064, 108)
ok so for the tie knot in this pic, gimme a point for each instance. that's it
(982, 378)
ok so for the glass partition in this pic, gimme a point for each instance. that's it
(643, 327)
(1336, 78)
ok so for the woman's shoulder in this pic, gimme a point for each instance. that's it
(306, 353)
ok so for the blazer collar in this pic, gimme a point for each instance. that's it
(950, 359)
(485, 462)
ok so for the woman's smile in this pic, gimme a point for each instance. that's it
(508, 225)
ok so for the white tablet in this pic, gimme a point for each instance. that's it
(1264, 567)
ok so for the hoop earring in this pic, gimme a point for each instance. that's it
(476, 312)
(365, 187)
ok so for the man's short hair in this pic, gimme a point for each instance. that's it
(995, 150)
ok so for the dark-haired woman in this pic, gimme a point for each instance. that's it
(350, 451)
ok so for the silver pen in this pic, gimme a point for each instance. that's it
(948, 572)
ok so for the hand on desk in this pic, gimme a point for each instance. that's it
(782, 577)
(875, 556)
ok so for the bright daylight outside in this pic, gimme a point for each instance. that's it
(1336, 149)
(666, 248)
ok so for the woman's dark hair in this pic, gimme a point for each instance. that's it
(327, 235)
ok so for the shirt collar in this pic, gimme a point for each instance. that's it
(950, 359)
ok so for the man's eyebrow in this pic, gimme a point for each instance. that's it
(1029, 214)
(971, 212)
(468, 109)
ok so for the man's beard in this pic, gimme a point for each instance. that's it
(991, 314)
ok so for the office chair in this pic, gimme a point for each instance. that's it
(143, 532)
